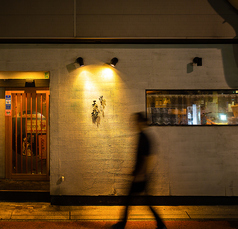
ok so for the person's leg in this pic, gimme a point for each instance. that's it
(160, 224)
(133, 190)
(122, 223)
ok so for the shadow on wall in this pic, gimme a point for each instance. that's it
(230, 15)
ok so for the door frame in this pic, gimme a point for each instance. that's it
(8, 139)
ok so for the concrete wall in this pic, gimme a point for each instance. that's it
(124, 18)
(98, 160)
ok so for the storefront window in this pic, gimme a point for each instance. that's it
(193, 107)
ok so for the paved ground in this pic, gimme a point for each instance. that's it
(44, 215)
(46, 211)
(108, 224)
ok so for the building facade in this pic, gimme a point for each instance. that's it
(90, 139)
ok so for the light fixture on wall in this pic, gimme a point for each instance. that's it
(113, 62)
(29, 83)
(79, 60)
(198, 61)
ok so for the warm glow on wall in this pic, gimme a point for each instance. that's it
(24, 75)
(86, 80)
(88, 86)
(93, 76)
(107, 73)
(93, 82)
(99, 120)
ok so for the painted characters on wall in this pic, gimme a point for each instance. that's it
(98, 111)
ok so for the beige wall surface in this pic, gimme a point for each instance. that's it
(183, 19)
(98, 160)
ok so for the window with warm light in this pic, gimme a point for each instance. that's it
(192, 107)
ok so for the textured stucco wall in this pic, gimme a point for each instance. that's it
(98, 160)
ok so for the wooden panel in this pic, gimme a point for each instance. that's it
(12, 83)
(21, 83)
(29, 177)
(42, 83)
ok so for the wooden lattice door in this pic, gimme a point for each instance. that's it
(27, 135)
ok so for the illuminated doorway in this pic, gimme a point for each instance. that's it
(27, 134)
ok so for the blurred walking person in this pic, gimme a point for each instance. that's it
(141, 171)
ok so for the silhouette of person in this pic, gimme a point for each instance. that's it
(140, 174)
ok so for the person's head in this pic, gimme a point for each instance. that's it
(141, 120)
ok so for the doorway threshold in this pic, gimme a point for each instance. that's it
(24, 186)
(24, 196)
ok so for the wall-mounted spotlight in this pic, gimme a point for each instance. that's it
(198, 61)
(30, 83)
(113, 62)
(79, 60)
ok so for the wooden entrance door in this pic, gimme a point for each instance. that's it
(27, 135)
